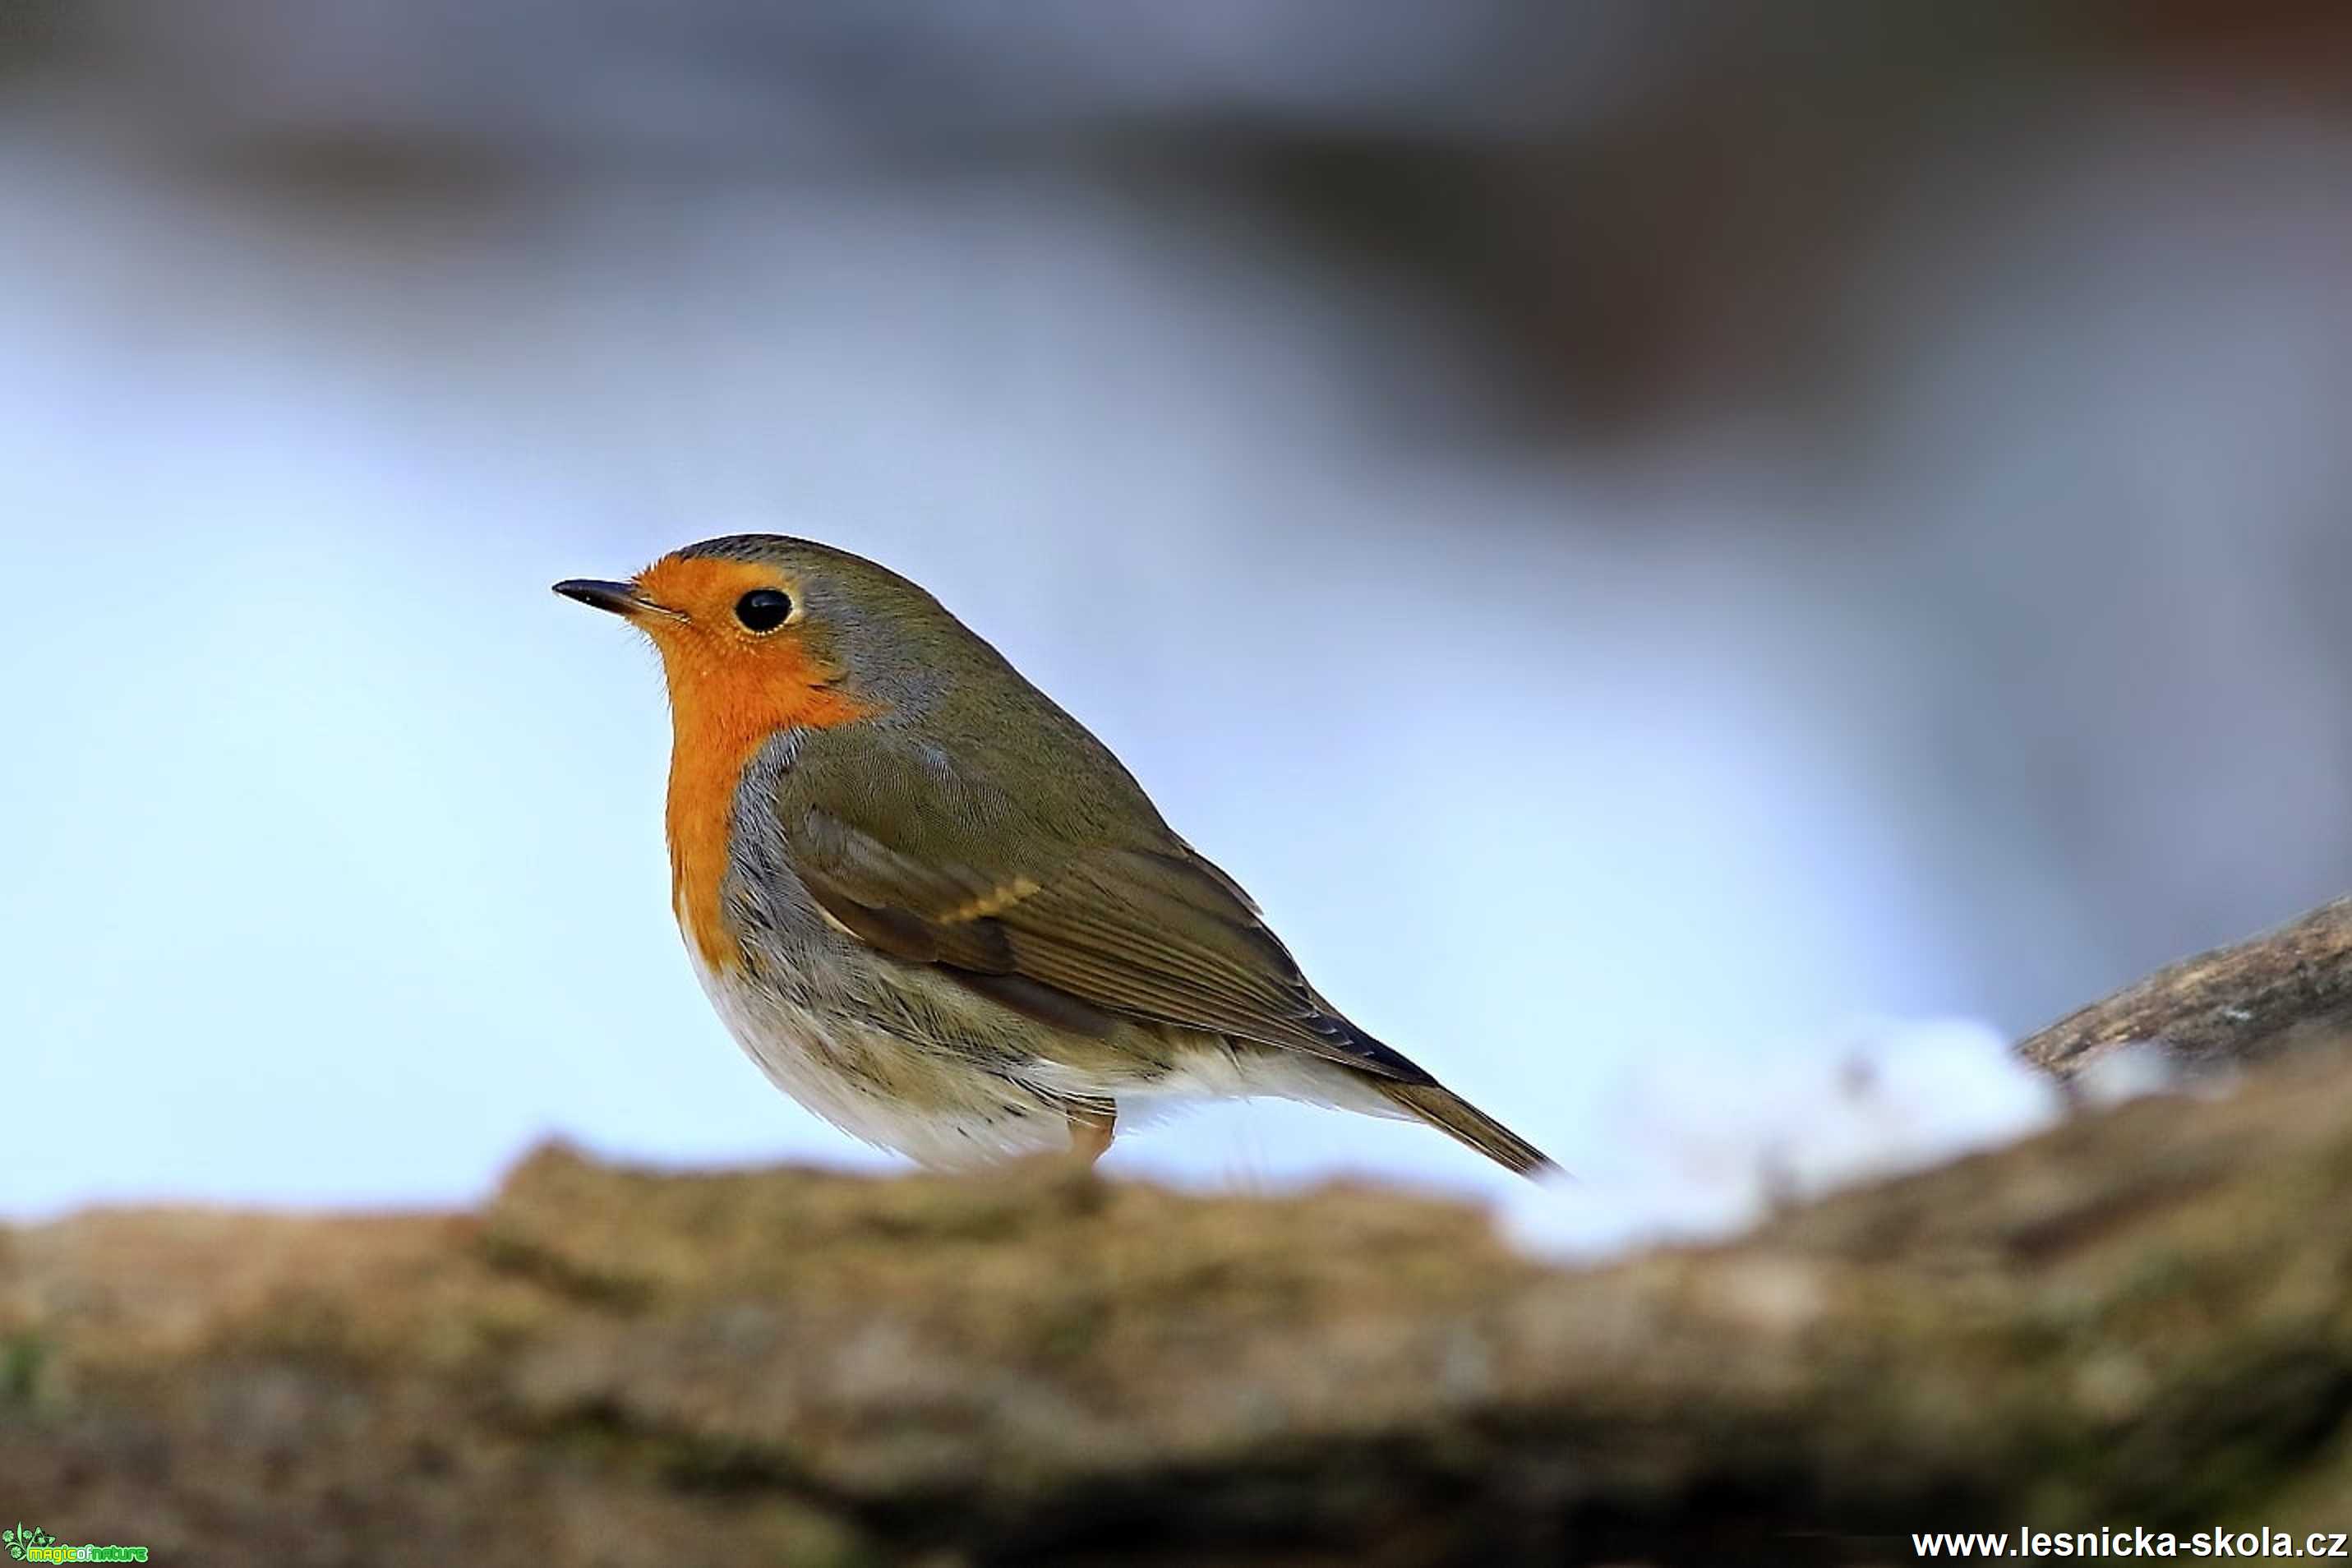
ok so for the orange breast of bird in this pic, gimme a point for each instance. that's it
(722, 710)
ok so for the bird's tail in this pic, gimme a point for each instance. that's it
(1449, 1112)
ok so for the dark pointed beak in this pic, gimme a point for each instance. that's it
(620, 598)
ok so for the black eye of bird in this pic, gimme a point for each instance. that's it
(763, 610)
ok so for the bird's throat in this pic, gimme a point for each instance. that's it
(717, 726)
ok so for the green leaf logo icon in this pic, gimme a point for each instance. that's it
(24, 1538)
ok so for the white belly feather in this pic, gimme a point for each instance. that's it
(941, 1111)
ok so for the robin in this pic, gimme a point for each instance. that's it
(932, 907)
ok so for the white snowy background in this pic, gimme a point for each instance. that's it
(1633, 784)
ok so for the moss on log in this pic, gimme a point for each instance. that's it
(2143, 1318)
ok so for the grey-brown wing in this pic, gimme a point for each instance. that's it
(1077, 933)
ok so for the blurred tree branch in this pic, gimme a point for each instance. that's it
(2234, 1004)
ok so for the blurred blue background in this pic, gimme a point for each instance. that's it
(1648, 535)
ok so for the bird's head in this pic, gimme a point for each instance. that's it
(758, 632)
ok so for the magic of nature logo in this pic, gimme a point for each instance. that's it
(31, 1543)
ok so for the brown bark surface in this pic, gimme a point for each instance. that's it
(2143, 1318)
(2235, 1005)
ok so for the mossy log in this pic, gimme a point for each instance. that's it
(2142, 1318)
